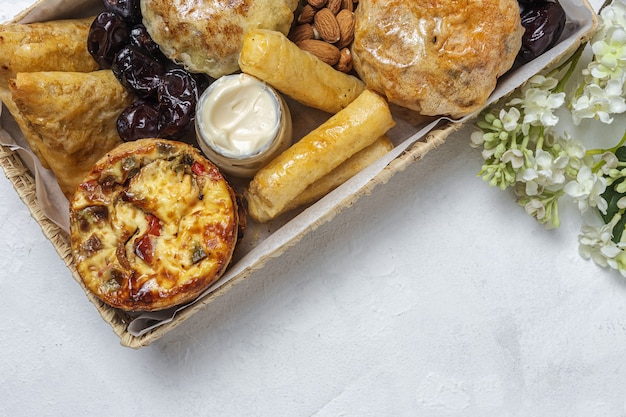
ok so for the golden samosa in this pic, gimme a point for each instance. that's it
(58, 45)
(74, 116)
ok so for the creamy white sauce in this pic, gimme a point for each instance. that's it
(239, 115)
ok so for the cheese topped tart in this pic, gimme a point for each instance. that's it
(152, 225)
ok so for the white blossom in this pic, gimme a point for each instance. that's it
(539, 102)
(603, 73)
(596, 243)
(575, 150)
(610, 162)
(524, 150)
(536, 209)
(610, 50)
(545, 171)
(612, 15)
(477, 139)
(542, 82)
(599, 103)
(488, 153)
(510, 119)
(587, 190)
(513, 156)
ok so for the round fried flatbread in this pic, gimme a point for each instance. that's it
(437, 57)
(206, 36)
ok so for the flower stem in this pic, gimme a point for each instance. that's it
(572, 62)
(540, 138)
(612, 150)
(606, 3)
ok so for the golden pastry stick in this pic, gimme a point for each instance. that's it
(357, 126)
(355, 164)
(273, 58)
(59, 45)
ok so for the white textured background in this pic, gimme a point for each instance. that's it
(435, 296)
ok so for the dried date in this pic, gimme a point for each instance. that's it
(108, 34)
(177, 97)
(543, 22)
(138, 71)
(129, 10)
(139, 120)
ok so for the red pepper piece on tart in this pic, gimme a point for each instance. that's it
(153, 225)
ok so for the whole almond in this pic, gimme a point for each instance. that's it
(334, 5)
(301, 32)
(325, 51)
(347, 5)
(345, 61)
(306, 14)
(345, 20)
(327, 25)
(318, 4)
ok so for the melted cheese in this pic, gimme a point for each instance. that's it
(135, 264)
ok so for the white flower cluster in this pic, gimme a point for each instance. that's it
(523, 150)
(601, 94)
(597, 243)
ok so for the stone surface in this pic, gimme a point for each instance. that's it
(434, 296)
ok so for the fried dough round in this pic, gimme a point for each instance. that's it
(437, 57)
(206, 36)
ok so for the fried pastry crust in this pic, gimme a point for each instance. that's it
(73, 115)
(322, 150)
(207, 35)
(437, 57)
(59, 45)
(272, 57)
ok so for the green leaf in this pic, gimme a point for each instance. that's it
(618, 230)
(621, 154)
(612, 197)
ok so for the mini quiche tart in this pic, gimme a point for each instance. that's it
(152, 225)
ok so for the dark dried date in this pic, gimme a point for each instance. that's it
(543, 22)
(167, 93)
(129, 10)
(177, 96)
(139, 120)
(108, 34)
(138, 71)
(140, 38)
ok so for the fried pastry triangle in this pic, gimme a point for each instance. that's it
(74, 117)
(59, 45)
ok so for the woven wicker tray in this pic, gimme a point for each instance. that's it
(22, 178)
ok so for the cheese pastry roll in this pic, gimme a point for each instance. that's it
(357, 126)
(355, 164)
(272, 57)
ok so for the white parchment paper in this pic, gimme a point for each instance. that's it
(261, 241)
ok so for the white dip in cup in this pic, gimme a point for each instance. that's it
(241, 124)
